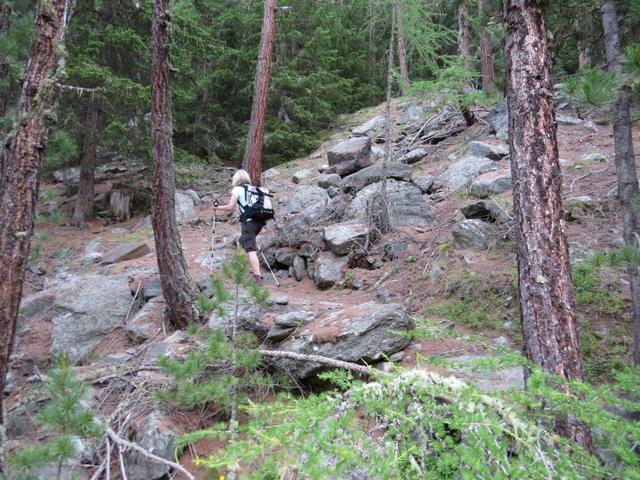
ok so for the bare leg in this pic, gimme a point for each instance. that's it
(254, 263)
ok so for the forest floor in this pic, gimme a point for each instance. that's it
(470, 293)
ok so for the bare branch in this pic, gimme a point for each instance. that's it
(353, 367)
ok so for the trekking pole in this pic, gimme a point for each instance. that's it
(213, 236)
(267, 264)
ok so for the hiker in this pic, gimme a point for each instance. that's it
(252, 219)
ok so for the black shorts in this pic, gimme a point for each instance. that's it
(248, 234)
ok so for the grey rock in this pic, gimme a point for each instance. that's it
(92, 251)
(282, 273)
(486, 380)
(366, 332)
(328, 180)
(53, 470)
(594, 157)
(370, 126)
(463, 171)
(612, 194)
(299, 268)
(146, 322)
(350, 156)
(333, 192)
(413, 113)
(423, 182)
(193, 195)
(156, 436)
(567, 120)
(326, 269)
(152, 288)
(377, 153)
(35, 304)
(491, 183)
(9, 383)
(116, 358)
(580, 206)
(293, 319)
(157, 350)
(69, 175)
(487, 150)
(270, 174)
(249, 318)
(127, 251)
(405, 202)
(341, 238)
(277, 334)
(396, 357)
(305, 196)
(590, 126)
(300, 175)
(472, 234)
(184, 205)
(374, 173)
(285, 256)
(210, 260)
(502, 341)
(383, 295)
(498, 118)
(281, 300)
(413, 156)
(487, 211)
(86, 309)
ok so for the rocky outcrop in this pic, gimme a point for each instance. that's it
(465, 170)
(341, 238)
(473, 234)
(305, 196)
(156, 436)
(405, 202)
(357, 181)
(85, 310)
(127, 251)
(366, 332)
(350, 156)
(491, 183)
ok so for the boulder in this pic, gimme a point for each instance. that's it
(184, 205)
(146, 322)
(194, 196)
(326, 269)
(596, 157)
(156, 436)
(300, 175)
(487, 211)
(350, 156)
(341, 238)
(413, 156)
(293, 319)
(464, 170)
(285, 256)
(127, 251)
(299, 268)
(86, 309)
(567, 120)
(580, 206)
(304, 197)
(472, 234)
(487, 150)
(370, 126)
(413, 113)
(328, 180)
(498, 118)
(405, 201)
(158, 350)
(491, 183)
(366, 332)
(374, 173)
(249, 318)
(69, 175)
(423, 182)
(93, 251)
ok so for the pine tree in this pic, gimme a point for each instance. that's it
(547, 303)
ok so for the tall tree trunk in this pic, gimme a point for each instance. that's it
(21, 169)
(485, 52)
(252, 161)
(402, 50)
(178, 288)
(547, 304)
(83, 210)
(464, 35)
(5, 22)
(628, 189)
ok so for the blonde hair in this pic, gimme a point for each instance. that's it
(240, 177)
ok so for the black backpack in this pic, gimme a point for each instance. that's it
(259, 206)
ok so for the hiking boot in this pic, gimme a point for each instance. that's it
(258, 279)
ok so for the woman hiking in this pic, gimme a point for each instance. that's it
(250, 226)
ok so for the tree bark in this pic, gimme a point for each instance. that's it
(402, 50)
(252, 161)
(21, 168)
(628, 189)
(5, 23)
(549, 323)
(464, 35)
(485, 52)
(178, 288)
(83, 210)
